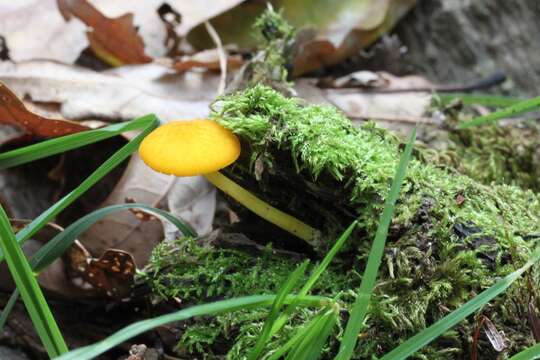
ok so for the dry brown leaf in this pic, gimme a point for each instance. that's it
(114, 40)
(14, 113)
(206, 59)
(119, 94)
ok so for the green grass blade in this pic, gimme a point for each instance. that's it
(315, 274)
(33, 298)
(427, 335)
(297, 337)
(69, 142)
(8, 308)
(531, 353)
(513, 110)
(360, 307)
(242, 303)
(479, 99)
(150, 122)
(51, 251)
(312, 344)
(62, 241)
(282, 293)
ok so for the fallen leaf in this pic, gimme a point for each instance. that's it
(197, 12)
(206, 59)
(361, 79)
(14, 113)
(398, 111)
(192, 199)
(534, 320)
(35, 29)
(112, 273)
(113, 40)
(119, 94)
(337, 29)
(494, 336)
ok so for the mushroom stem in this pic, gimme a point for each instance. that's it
(261, 208)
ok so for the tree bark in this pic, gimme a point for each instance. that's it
(453, 41)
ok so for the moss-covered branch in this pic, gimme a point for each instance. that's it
(451, 236)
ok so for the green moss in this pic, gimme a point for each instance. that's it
(496, 154)
(331, 158)
(451, 236)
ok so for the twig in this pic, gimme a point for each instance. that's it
(222, 56)
(393, 118)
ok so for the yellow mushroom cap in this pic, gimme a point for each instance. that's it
(189, 148)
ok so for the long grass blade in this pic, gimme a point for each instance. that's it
(69, 142)
(360, 307)
(479, 99)
(531, 353)
(427, 335)
(282, 294)
(51, 251)
(242, 303)
(33, 298)
(315, 274)
(312, 344)
(297, 337)
(149, 122)
(8, 308)
(513, 110)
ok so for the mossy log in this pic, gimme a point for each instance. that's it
(451, 236)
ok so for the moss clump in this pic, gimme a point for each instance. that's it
(269, 65)
(496, 154)
(336, 172)
(198, 273)
(451, 236)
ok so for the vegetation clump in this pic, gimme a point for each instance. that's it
(451, 236)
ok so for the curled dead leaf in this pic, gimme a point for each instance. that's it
(14, 113)
(113, 40)
(111, 274)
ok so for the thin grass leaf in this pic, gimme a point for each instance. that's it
(479, 99)
(516, 109)
(242, 303)
(531, 353)
(360, 307)
(297, 337)
(282, 294)
(69, 142)
(51, 251)
(315, 274)
(312, 339)
(150, 122)
(8, 308)
(33, 298)
(427, 335)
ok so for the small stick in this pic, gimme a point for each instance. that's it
(222, 56)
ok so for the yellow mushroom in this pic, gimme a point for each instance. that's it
(202, 147)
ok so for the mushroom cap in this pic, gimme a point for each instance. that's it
(189, 148)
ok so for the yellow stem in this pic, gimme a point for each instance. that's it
(263, 209)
